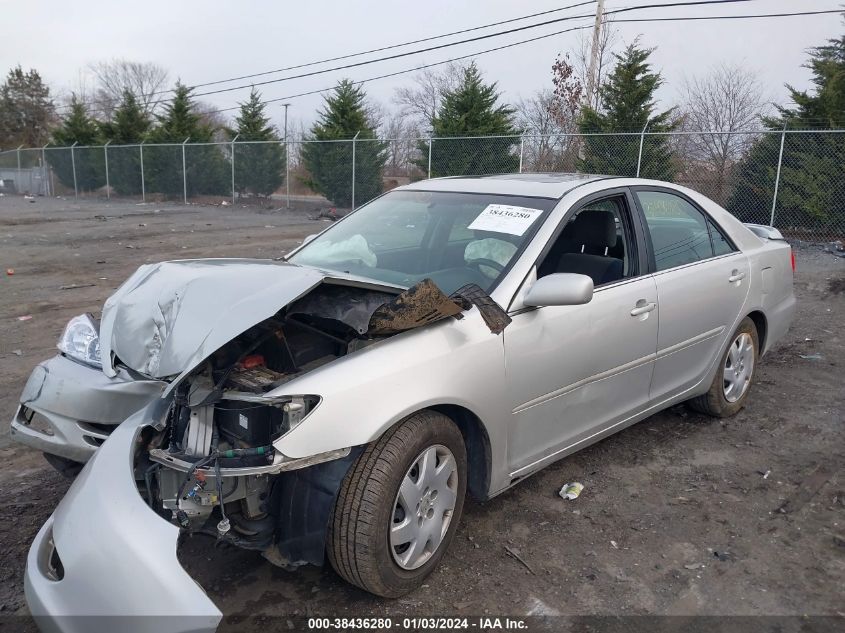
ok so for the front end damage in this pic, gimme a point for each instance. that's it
(211, 466)
(204, 458)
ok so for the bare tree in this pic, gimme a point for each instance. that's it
(142, 79)
(209, 115)
(548, 144)
(608, 41)
(401, 134)
(420, 101)
(722, 107)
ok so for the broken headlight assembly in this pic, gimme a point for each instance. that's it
(80, 340)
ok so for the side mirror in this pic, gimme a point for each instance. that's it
(560, 289)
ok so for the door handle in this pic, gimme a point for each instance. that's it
(643, 307)
(736, 276)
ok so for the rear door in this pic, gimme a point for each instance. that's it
(702, 281)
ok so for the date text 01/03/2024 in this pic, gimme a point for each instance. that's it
(416, 624)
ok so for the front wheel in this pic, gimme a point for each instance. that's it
(399, 506)
(730, 386)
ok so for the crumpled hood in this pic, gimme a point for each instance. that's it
(168, 317)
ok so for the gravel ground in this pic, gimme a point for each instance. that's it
(677, 517)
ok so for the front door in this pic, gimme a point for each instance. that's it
(573, 371)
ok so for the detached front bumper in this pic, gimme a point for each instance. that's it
(69, 409)
(104, 561)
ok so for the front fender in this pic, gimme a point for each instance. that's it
(364, 394)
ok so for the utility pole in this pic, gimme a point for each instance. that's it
(593, 68)
(287, 159)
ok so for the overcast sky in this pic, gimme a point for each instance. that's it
(207, 40)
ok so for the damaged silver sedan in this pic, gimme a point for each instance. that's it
(450, 337)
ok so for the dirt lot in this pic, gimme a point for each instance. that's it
(678, 515)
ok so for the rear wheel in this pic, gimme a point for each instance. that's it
(731, 384)
(399, 506)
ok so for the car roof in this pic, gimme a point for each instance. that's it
(542, 185)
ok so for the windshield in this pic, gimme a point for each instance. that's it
(452, 238)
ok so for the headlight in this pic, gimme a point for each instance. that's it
(81, 340)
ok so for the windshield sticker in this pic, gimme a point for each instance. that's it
(504, 218)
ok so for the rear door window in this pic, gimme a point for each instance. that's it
(679, 233)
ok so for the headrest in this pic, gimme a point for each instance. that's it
(595, 228)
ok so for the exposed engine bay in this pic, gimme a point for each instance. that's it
(211, 466)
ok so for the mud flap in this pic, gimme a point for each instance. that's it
(302, 502)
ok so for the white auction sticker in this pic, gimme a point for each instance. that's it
(504, 218)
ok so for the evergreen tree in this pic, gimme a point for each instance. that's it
(26, 110)
(330, 164)
(627, 104)
(128, 126)
(259, 167)
(205, 165)
(471, 109)
(86, 161)
(811, 188)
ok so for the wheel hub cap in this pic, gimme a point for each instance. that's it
(739, 365)
(423, 507)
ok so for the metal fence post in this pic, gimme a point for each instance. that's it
(777, 175)
(45, 170)
(430, 144)
(143, 188)
(19, 160)
(73, 166)
(354, 142)
(106, 157)
(521, 150)
(233, 167)
(184, 172)
(287, 174)
(640, 156)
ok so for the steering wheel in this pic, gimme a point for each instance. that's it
(483, 261)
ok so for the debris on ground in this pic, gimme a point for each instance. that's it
(329, 214)
(17, 352)
(807, 489)
(571, 491)
(515, 554)
(836, 248)
(25, 317)
(811, 356)
(75, 286)
(692, 566)
(10, 271)
(614, 544)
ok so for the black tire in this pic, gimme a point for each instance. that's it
(714, 403)
(66, 467)
(358, 542)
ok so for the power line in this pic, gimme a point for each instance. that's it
(459, 42)
(386, 48)
(730, 17)
(373, 50)
(465, 41)
(534, 39)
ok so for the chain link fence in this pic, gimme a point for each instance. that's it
(793, 180)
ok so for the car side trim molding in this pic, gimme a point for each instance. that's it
(677, 347)
(585, 381)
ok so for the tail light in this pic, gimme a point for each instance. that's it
(792, 258)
